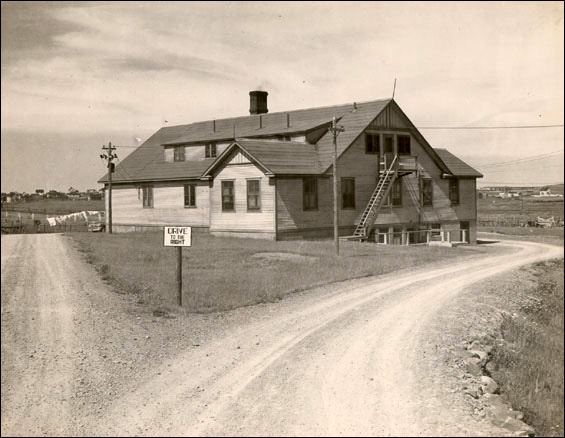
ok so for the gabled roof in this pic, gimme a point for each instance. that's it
(147, 163)
(274, 157)
(456, 166)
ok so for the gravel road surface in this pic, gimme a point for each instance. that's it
(79, 359)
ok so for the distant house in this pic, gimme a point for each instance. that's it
(93, 195)
(39, 192)
(269, 175)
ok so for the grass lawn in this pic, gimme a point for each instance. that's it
(221, 273)
(529, 364)
(54, 206)
(555, 232)
(510, 212)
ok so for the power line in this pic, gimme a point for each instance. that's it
(525, 159)
(492, 127)
(521, 183)
(532, 169)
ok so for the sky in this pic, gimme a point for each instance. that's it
(76, 75)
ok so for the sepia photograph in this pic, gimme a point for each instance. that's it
(282, 218)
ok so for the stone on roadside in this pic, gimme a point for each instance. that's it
(489, 386)
(473, 366)
(483, 356)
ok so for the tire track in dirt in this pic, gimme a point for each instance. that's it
(39, 340)
(274, 386)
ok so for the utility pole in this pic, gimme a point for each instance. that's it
(109, 155)
(334, 130)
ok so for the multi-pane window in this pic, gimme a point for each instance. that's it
(454, 191)
(427, 193)
(190, 195)
(253, 194)
(210, 150)
(348, 193)
(228, 196)
(310, 193)
(148, 197)
(394, 198)
(179, 153)
(403, 144)
(372, 143)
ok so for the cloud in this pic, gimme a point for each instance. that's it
(111, 66)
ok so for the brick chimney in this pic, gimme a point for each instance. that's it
(258, 102)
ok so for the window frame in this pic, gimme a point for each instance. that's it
(191, 196)
(178, 154)
(402, 136)
(258, 194)
(147, 197)
(454, 191)
(430, 198)
(226, 210)
(314, 193)
(374, 149)
(351, 196)
(211, 150)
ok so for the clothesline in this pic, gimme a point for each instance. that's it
(86, 215)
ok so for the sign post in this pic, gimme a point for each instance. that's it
(178, 236)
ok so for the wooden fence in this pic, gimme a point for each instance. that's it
(422, 237)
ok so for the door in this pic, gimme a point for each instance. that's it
(388, 149)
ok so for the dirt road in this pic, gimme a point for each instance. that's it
(344, 362)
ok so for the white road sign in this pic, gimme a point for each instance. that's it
(177, 236)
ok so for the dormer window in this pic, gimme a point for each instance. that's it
(283, 137)
(210, 150)
(179, 153)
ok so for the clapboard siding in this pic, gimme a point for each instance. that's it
(355, 163)
(290, 212)
(193, 152)
(168, 205)
(241, 219)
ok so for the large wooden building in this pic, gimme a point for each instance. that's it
(270, 176)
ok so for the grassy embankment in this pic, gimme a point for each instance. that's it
(528, 365)
(225, 273)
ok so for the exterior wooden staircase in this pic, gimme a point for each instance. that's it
(386, 180)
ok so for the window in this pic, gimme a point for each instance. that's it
(454, 191)
(190, 195)
(394, 198)
(228, 196)
(253, 194)
(389, 144)
(310, 193)
(148, 197)
(404, 145)
(348, 193)
(210, 150)
(179, 153)
(372, 143)
(427, 193)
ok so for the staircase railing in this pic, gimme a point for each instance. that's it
(379, 194)
(415, 192)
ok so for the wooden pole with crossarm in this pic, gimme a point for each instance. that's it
(109, 155)
(334, 129)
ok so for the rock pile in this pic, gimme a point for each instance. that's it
(481, 387)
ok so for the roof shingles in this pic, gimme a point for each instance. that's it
(147, 163)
